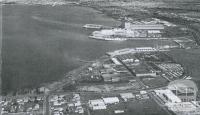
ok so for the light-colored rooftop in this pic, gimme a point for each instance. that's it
(111, 100)
(170, 95)
(181, 107)
(127, 95)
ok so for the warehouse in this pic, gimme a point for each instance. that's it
(111, 100)
(167, 96)
(126, 96)
(97, 104)
(129, 25)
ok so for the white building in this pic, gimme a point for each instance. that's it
(127, 96)
(97, 104)
(111, 100)
(129, 25)
(168, 96)
(118, 111)
(181, 107)
(132, 50)
(143, 92)
(115, 61)
(99, 107)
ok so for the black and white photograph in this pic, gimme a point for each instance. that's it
(99, 57)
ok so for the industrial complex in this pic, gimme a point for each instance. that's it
(114, 84)
(125, 77)
(131, 80)
(130, 31)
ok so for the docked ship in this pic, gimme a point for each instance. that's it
(92, 26)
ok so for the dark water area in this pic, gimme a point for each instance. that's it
(42, 43)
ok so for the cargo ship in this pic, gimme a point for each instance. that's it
(92, 26)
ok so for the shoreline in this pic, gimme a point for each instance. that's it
(96, 8)
(72, 74)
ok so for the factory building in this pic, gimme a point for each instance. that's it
(130, 31)
(144, 30)
(111, 100)
(127, 96)
(129, 25)
(132, 50)
(101, 104)
(115, 61)
(182, 108)
(180, 97)
(97, 104)
(167, 96)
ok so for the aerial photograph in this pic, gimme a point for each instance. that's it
(99, 57)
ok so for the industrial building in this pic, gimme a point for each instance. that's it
(97, 104)
(128, 58)
(167, 96)
(180, 97)
(129, 25)
(181, 107)
(115, 61)
(132, 50)
(145, 30)
(184, 108)
(111, 100)
(101, 104)
(130, 31)
(127, 96)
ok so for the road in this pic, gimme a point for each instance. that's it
(46, 108)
